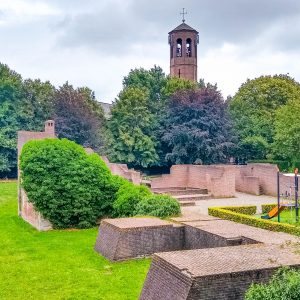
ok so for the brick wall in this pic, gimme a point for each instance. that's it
(261, 179)
(196, 238)
(123, 171)
(165, 282)
(116, 243)
(30, 215)
(25, 209)
(217, 273)
(219, 180)
(120, 243)
(227, 286)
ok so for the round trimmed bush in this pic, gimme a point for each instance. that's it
(158, 206)
(67, 186)
(128, 196)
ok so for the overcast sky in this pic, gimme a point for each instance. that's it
(95, 43)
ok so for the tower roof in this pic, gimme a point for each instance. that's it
(183, 27)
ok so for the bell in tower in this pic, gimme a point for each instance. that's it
(183, 42)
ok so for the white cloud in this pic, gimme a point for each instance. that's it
(27, 8)
(21, 11)
(95, 43)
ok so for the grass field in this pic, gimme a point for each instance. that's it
(58, 264)
(287, 216)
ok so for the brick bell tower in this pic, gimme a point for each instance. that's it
(183, 42)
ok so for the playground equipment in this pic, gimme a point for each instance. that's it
(287, 199)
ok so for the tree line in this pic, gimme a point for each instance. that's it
(158, 121)
(27, 104)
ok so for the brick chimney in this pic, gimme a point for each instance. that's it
(50, 128)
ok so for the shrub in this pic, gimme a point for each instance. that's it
(128, 196)
(246, 210)
(158, 206)
(265, 208)
(283, 285)
(252, 221)
(67, 186)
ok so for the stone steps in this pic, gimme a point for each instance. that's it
(175, 189)
(187, 203)
(183, 192)
(191, 200)
(185, 196)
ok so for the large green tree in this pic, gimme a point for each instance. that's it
(27, 104)
(24, 105)
(78, 116)
(10, 100)
(159, 89)
(197, 129)
(287, 132)
(253, 111)
(154, 80)
(130, 129)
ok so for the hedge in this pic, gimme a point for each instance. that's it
(252, 221)
(158, 206)
(265, 208)
(246, 210)
(127, 198)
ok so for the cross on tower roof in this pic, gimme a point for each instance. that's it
(183, 13)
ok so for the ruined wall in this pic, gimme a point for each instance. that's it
(30, 215)
(26, 209)
(260, 179)
(219, 180)
(123, 171)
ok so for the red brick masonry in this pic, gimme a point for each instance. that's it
(219, 180)
(126, 238)
(213, 269)
(217, 273)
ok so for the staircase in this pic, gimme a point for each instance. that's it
(261, 191)
(185, 196)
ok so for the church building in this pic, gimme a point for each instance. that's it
(183, 41)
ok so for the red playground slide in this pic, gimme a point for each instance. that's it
(273, 212)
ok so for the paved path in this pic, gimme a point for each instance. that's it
(240, 199)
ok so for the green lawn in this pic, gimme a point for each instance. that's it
(58, 264)
(287, 216)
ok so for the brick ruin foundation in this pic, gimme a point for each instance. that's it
(200, 257)
(219, 180)
(224, 180)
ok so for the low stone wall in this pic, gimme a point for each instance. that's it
(125, 238)
(219, 180)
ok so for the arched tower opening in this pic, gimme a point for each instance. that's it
(188, 46)
(179, 48)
